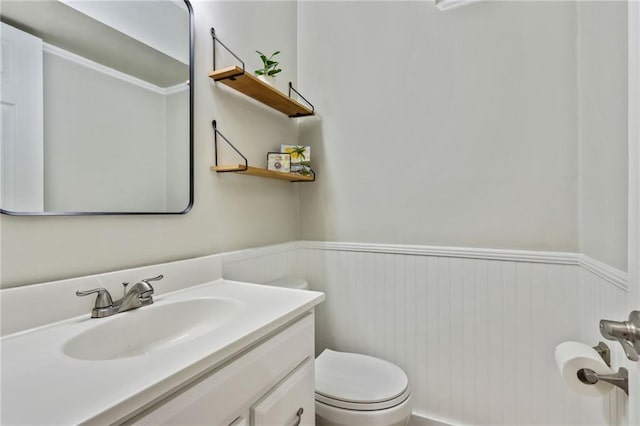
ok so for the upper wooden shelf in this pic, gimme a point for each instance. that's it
(251, 86)
(256, 171)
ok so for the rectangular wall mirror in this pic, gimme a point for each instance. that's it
(96, 107)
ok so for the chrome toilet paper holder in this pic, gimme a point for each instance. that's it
(619, 379)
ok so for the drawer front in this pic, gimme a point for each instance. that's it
(290, 403)
(220, 397)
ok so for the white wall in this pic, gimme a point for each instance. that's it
(602, 87)
(456, 128)
(230, 211)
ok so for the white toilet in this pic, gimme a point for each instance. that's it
(354, 389)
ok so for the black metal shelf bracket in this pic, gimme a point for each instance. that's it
(216, 39)
(308, 181)
(217, 133)
(291, 88)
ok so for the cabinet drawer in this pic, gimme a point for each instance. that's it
(291, 403)
(218, 398)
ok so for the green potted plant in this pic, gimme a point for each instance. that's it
(269, 68)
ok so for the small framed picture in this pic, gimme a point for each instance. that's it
(279, 162)
(300, 158)
(299, 153)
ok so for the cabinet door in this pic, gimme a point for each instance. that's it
(290, 403)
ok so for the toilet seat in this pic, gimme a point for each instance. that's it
(359, 382)
(366, 406)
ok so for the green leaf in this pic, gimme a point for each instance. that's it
(263, 57)
(270, 66)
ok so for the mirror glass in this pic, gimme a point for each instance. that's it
(96, 107)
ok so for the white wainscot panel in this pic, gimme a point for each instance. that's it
(262, 264)
(475, 336)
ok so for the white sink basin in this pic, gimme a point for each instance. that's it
(150, 328)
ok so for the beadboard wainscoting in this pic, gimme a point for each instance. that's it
(474, 329)
(262, 264)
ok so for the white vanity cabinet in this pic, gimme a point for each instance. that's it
(269, 384)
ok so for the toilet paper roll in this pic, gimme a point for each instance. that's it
(571, 357)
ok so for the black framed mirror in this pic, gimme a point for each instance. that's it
(97, 107)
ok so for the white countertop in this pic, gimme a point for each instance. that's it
(42, 385)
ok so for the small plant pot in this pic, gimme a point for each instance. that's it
(271, 81)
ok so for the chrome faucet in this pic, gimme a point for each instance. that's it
(140, 294)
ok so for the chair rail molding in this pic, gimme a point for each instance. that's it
(609, 273)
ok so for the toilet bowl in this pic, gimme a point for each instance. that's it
(358, 390)
(355, 389)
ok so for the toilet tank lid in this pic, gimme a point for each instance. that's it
(358, 378)
(290, 282)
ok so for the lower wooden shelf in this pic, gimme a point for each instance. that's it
(257, 171)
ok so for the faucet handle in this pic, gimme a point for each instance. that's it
(158, 278)
(102, 301)
(146, 281)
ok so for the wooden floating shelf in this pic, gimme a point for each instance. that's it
(257, 171)
(251, 86)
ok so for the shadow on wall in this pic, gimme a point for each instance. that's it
(316, 198)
